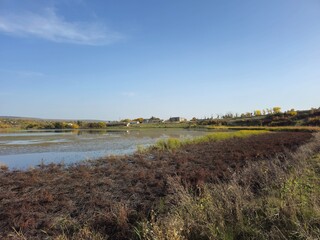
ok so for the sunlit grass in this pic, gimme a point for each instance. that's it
(174, 143)
(287, 209)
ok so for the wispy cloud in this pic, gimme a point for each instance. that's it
(29, 74)
(50, 26)
(23, 74)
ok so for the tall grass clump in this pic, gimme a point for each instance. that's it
(175, 143)
(218, 136)
(169, 144)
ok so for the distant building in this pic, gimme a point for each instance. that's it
(177, 119)
(152, 120)
(134, 122)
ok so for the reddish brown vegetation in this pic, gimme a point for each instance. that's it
(110, 195)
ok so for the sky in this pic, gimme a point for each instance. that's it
(116, 59)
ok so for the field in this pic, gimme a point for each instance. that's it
(230, 187)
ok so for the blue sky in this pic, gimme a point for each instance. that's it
(120, 59)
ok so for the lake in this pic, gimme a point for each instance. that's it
(24, 149)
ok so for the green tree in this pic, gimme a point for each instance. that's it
(292, 112)
(101, 125)
(138, 119)
(276, 110)
(194, 119)
(97, 125)
(58, 125)
(127, 120)
(248, 114)
(228, 115)
(257, 112)
(75, 126)
(79, 123)
(269, 110)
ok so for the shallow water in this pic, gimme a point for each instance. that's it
(23, 149)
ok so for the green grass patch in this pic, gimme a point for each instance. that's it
(175, 143)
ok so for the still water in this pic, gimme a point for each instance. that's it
(24, 149)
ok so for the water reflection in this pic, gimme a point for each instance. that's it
(28, 148)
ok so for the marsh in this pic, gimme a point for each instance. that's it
(23, 149)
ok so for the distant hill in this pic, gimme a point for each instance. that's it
(14, 117)
(268, 117)
(13, 122)
(288, 118)
(48, 119)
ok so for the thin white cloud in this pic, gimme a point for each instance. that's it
(23, 74)
(29, 74)
(52, 27)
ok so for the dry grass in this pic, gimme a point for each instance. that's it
(205, 190)
(277, 199)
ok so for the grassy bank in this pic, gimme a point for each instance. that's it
(227, 189)
(279, 199)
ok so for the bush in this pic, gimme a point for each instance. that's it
(97, 125)
(315, 121)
